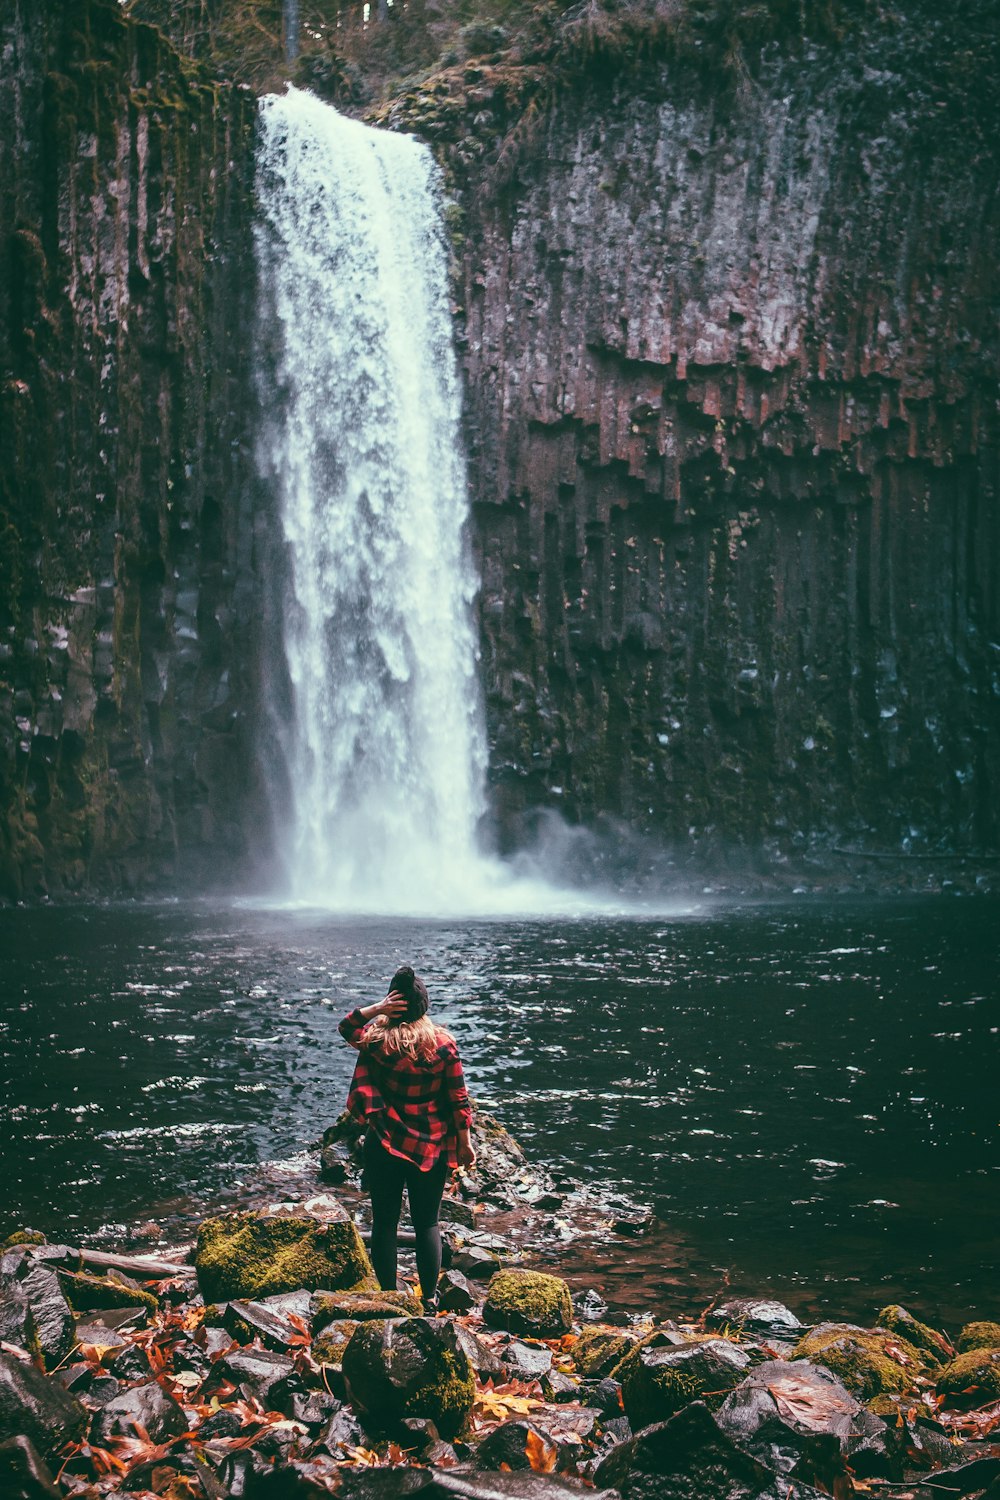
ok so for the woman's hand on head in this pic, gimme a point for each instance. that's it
(393, 1007)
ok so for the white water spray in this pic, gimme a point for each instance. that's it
(386, 752)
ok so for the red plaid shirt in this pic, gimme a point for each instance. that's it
(414, 1106)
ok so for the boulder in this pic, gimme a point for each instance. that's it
(85, 1293)
(975, 1374)
(687, 1457)
(933, 1345)
(254, 1255)
(37, 1408)
(455, 1294)
(34, 1314)
(269, 1378)
(147, 1406)
(24, 1475)
(17, 1326)
(659, 1377)
(979, 1336)
(755, 1315)
(328, 1346)
(598, 1350)
(799, 1419)
(410, 1367)
(529, 1302)
(870, 1361)
(329, 1306)
(526, 1361)
(247, 1321)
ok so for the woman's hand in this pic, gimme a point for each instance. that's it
(465, 1151)
(393, 1006)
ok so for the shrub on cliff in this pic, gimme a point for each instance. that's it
(256, 1255)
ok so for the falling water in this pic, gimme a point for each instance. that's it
(385, 749)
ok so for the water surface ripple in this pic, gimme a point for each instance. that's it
(806, 1093)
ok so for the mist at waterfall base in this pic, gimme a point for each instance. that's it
(804, 1092)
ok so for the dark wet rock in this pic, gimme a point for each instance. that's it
(527, 1361)
(422, 1434)
(870, 1361)
(659, 1377)
(130, 1364)
(105, 1338)
(247, 1321)
(516, 1486)
(314, 1408)
(101, 1389)
(282, 1440)
(529, 1302)
(215, 1342)
(33, 1311)
(590, 1305)
(486, 1362)
(606, 1395)
(148, 1405)
(16, 1322)
(331, 1306)
(343, 1432)
(756, 1315)
(86, 1293)
(38, 1408)
(336, 1163)
(688, 1457)
(475, 1261)
(254, 1255)
(598, 1350)
(329, 1344)
(507, 1446)
(632, 1223)
(223, 1423)
(410, 1367)
(455, 1294)
(244, 1475)
(24, 1474)
(559, 1387)
(268, 1377)
(799, 1419)
(457, 1211)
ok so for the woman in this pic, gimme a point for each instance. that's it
(409, 1090)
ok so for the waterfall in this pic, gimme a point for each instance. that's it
(384, 746)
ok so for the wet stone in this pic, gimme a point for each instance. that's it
(527, 1361)
(24, 1474)
(147, 1406)
(37, 1407)
(756, 1315)
(455, 1294)
(269, 1378)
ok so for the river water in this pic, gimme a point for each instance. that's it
(804, 1092)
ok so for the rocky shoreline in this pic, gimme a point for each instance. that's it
(263, 1361)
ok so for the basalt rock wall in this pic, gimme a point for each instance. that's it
(127, 552)
(732, 403)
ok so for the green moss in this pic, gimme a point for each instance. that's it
(867, 1360)
(976, 1373)
(363, 1304)
(529, 1302)
(328, 1347)
(932, 1344)
(378, 1376)
(653, 1391)
(598, 1350)
(256, 1255)
(23, 1237)
(84, 1293)
(979, 1336)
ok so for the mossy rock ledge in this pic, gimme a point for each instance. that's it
(870, 1361)
(979, 1336)
(933, 1345)
(330, 1306)
(976, 1372)
(410, 1367)
(258, 1255)
(529, 1303)
(599, 1350)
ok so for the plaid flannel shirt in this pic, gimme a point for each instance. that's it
(413, 1106)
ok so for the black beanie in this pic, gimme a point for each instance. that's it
(413, 990)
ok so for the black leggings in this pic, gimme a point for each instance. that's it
(385, 1178)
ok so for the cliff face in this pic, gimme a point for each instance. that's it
(126, 564)
(732, 381)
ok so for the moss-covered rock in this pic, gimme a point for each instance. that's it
(84, 1293)
(979, 1336)
(329, 1345)
(22, 1237)
(529, 1302)
(598, 1350)
(364, 1305)
(976, 1373)
(658, 1376)
(933, 1345)
(870, 1361)
(258, 1255)
(410, 1367)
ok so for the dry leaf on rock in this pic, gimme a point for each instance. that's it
(541, 1455)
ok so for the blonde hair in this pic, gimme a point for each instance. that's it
(412, 1039)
